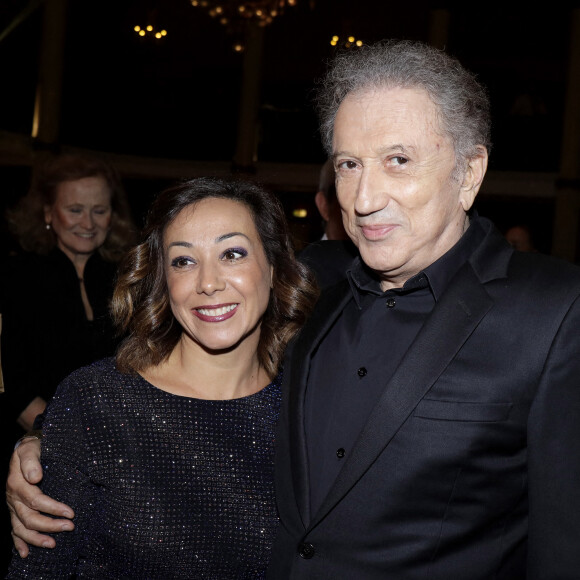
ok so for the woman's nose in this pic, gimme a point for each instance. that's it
(209, 279)
(87, 221)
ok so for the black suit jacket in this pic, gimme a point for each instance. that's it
(329, 260)
(469, 466)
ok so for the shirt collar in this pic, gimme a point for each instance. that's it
(436, 276)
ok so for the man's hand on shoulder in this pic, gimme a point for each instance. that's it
(26, 501)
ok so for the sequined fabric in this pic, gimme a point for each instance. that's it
(162, 486)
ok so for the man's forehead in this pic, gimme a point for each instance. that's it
(394, 120)
(386, 92)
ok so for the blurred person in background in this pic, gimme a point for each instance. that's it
(328, 206)
(73, 226)
(520, 238)
(330, 256)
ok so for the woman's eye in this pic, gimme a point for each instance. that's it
(181, 262)
(75, 210)
(234, 254)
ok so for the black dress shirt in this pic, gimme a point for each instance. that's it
(360, 354)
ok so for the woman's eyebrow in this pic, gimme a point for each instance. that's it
(230, 235)
(184, 244)
(217, 240)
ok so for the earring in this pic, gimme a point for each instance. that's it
(47, 226)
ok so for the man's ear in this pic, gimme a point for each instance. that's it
(322, 205)
(473, 178)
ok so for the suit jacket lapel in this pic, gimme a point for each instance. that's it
(459, 311)
(327, 310)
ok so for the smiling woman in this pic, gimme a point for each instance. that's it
(80, 217)
(73, 225)
(219, 282)
(166, 453)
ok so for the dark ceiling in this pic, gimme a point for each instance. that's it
(179, 97)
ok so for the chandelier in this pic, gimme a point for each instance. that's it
(235, 15)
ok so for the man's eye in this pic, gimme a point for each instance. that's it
(399, 160)
(347, 164)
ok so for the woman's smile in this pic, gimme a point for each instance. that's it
(216, 313)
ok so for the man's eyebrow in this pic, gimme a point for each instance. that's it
(387, 149)
(397, 148)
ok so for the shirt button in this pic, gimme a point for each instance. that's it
(340, 453)
(391, 302)
(306, 550)
(361, 372)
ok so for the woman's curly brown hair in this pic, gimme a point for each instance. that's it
(141, 302)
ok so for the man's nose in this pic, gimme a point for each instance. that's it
(371, 195)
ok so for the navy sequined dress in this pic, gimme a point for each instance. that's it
(162, 486)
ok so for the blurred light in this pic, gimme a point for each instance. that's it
(300, 213)
(237, 14)
(238, 47)
(157, 34)
(350, 42)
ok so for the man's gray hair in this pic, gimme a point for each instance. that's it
(462, 101)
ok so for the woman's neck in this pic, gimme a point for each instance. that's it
(79, 260)
(194, 372)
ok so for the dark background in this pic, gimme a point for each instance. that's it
(179, 98)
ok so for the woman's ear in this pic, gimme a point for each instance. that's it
(47, 214)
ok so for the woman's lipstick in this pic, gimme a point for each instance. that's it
(215, 312)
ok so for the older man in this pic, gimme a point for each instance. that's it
(431, 422)
(431, 427)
